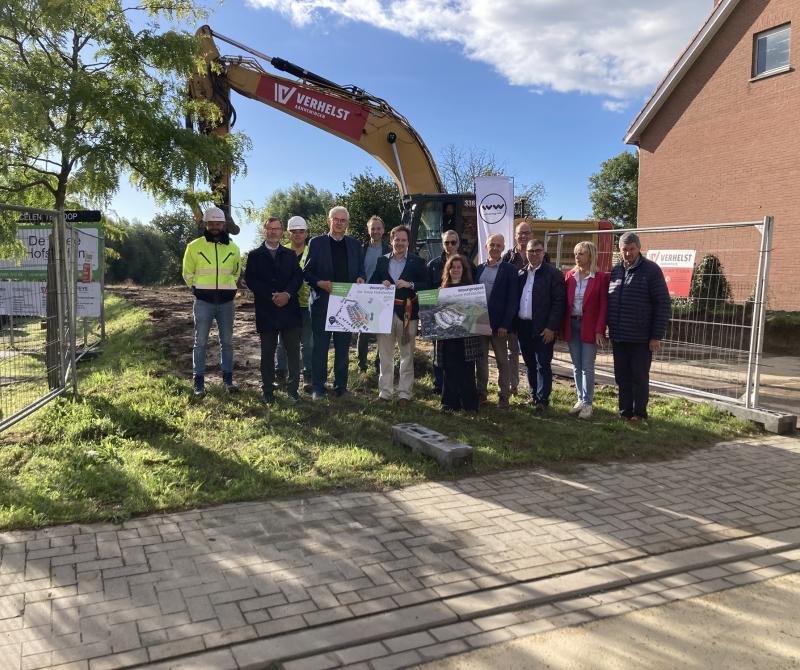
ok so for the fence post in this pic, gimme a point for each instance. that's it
(760, 311)
(72, 261)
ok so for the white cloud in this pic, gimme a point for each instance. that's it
(615, 105)
(618, 49)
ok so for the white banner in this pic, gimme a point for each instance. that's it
(29, 298)
(494, 201)
(360, 308)
(36, 241)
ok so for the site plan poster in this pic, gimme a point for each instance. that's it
(457, 311)
(677, 266)
(360, 308)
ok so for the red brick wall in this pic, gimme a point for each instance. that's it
(724, 148)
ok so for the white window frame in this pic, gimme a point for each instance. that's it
(785, 67)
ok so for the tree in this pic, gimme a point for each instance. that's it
(304, 200)
(177, 229)
(458, 168)
(85, 97)
(614, 190)
(142, 255)
(366, 196)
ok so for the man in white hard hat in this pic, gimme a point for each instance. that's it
(298, 242)
(211, 267)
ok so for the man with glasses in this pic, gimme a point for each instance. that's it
(334, 257)
(373, 250)
(542, 300)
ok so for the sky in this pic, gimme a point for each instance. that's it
(549, 87)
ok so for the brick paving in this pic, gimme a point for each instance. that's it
(392, 579)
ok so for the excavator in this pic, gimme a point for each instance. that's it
(350, 113)
(347, 112)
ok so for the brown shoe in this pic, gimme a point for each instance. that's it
(482, 399)
(502, 402)
(403, 402)
(514, 390)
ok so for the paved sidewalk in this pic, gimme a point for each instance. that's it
(247, 584)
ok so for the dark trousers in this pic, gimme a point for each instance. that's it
(363, 349)
(319, 356)
(632, 374)
(537, 356)
(269, 342)
(438, 375)
(458, 378)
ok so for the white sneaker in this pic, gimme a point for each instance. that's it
(577, 407)
(586, 412)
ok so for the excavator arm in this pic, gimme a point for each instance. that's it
(346, 112)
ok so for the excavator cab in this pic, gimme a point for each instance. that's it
(432, 214)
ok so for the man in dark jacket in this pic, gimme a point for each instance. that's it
(500, 280)
(373, 250)
(274, 277)
(409, 275)
(334, 257)
(542, 300)
(638, 313)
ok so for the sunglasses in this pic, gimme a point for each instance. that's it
(450, 243)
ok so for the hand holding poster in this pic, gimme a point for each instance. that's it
(360, 308)
(457, 311)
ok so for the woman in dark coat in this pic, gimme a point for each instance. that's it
(457, 356)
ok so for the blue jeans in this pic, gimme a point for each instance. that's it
(537, 356)
(319, 357)
(204, 313)
(306, 346)
(583, 355)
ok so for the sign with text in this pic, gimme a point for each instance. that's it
(70, 216)
(495, 198)
(29, 298)
(36, 240)
(677, 266)
(457, 311)
(360, 308)
(337, 114)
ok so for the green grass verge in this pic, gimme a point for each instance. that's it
(136, 442)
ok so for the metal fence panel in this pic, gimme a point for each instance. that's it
(715, 336)
(33, 300)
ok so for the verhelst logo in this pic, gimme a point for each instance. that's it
(283, 93)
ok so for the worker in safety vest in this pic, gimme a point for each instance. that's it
(211, 267)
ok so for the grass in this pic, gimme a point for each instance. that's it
(136, 442)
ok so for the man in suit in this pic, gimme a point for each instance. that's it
(500, 280)
(542, 299)
(334, 257)
(409, 275)
(274, 276)
(373, 250)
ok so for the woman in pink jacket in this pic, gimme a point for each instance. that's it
(585, 322)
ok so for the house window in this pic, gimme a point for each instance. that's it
(771, 51)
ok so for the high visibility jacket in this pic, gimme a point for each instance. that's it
(302, 294)
(212, 269)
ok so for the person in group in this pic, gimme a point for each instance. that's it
(638, 314)
(297, 228)
(373, 250)
(584, 324)
(274, 276)
(500, 280)
(457, 356)
(211, 267)
(518, 258)
(408, 273)
(542, 298)
(450, 245)
(334, 257)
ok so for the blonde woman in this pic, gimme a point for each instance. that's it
(585, 322)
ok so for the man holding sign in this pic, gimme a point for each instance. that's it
(407, 272)
(334, 257)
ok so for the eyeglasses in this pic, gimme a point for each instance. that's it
(536, 251)
(450, 243)
(338, 220)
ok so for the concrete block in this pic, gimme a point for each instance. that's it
(447, 452)
(773, 422)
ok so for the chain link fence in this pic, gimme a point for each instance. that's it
(717, 276)
(50, 307)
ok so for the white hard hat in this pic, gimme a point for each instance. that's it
(214, 214)
(297, 223)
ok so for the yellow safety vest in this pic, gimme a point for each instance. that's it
(211, 265)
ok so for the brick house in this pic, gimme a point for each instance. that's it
(719, 138)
